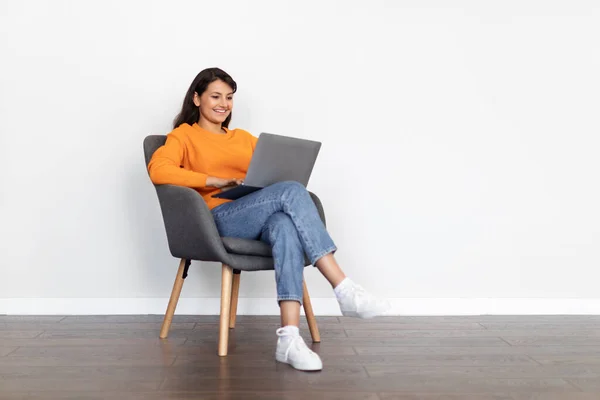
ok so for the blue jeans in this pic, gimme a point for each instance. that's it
(284, 216)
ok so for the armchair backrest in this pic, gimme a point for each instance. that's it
(151, 144)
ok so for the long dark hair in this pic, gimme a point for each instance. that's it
(189, 111)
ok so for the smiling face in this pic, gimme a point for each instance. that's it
(216, 102)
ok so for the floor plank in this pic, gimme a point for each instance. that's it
(87, 319)
(67, 327)
(315, 382)
(6, 350)
(534, 351)
(31, 318)
(10, 334)
(557, 396)
(86, 360)
(99, 340)
(91, 384)
(445, 333)
(553, 341)
(445, 396)
(504, 372)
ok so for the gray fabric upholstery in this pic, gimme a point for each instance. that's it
(247, 247)
(250, 263)
(191, 230)
(317, 202)
(151, 144)
(250, 248)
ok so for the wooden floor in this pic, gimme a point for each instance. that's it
(416, 358)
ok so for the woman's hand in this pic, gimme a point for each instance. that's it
(223, 182)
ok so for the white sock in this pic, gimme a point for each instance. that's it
(343, 285)
(290, 332)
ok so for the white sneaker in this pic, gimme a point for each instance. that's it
(355, 301)
(292, 350)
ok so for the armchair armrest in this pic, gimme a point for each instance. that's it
(319, 205)
(190, 226)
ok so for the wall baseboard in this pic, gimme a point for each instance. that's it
(322, 306)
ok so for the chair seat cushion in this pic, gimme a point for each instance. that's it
(246, 247)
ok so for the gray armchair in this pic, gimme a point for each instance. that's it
(192, 235)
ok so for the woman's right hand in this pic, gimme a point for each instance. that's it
(223, 182)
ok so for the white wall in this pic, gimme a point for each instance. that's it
(481, 116)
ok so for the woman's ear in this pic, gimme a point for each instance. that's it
(196, 99)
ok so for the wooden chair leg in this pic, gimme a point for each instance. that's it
(235, 291)
(226, 281)
(164, 331)
(310, 316)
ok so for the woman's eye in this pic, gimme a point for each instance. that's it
(215, 97)
(230, 98)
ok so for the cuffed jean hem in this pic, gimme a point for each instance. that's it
(286, 298)
(322, 254)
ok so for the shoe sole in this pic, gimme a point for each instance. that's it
(299, 367)
(354, 314)
(365, 315)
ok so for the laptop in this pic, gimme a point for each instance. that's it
(276, 158)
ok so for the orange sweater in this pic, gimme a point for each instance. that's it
(192, 154)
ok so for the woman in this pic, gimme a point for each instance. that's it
(203, 153)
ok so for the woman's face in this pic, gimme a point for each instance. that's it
(216, 102)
